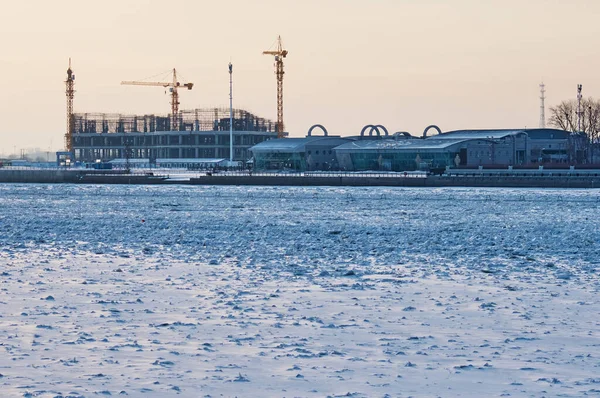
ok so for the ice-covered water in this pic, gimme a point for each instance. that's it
(263, 291)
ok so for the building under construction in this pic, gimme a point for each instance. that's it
(200, 133)
(187, 134)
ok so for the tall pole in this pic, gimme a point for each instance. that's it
(591, 136)
(542, 106)
(579, 96)
(230, 112)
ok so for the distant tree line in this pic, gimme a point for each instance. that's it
(587, 124)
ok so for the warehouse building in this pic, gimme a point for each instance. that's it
(298, 154)
(402, 152)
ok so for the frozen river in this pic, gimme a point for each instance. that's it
(293, 292)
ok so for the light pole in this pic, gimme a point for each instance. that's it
(230, 114)
(590, 135)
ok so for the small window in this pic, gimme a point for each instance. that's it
(308, 152)
(316, 152)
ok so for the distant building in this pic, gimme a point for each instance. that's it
(298, 154)
(202, 134)
(178, 163)
(402, 152)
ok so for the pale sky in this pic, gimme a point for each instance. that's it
(401, 63)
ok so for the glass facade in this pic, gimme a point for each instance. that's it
(401, 161)
(280, 161)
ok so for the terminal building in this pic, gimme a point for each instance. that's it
(403, 152)
(202, 134)
(298, 154)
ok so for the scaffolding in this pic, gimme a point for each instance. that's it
(208, 119)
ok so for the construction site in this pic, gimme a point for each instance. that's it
(236, 138)
(208, 134)
(201, 133)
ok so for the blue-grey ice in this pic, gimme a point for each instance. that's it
(281, 291)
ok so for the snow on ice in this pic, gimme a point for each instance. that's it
(287, 292)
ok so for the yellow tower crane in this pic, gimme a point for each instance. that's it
(173, 86)
(70, 91)
(279, 54)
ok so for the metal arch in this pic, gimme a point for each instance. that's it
(373, 128)
(403, 133)
(433, 126)
(383, 128)
(315, 126)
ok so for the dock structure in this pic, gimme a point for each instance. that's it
(571, 178)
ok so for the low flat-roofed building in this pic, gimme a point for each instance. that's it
(297, 154)
(402, 152)
(460, 148)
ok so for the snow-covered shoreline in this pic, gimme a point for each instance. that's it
(233, 291)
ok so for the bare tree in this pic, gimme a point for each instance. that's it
(564, 116)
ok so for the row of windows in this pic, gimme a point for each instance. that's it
(330, 152)
(404, 156)
(197, 165)
(167, 140)
(507, 153)
(90, 155)
(483, 153)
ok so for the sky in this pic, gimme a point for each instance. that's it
(405, 64)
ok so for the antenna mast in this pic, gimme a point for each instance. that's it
(542, 106)
(230, 112)
(579, 96)
(70, 91)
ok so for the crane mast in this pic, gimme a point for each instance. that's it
(175, 101)
(173, 86)
(70, 91)
(279, 54)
